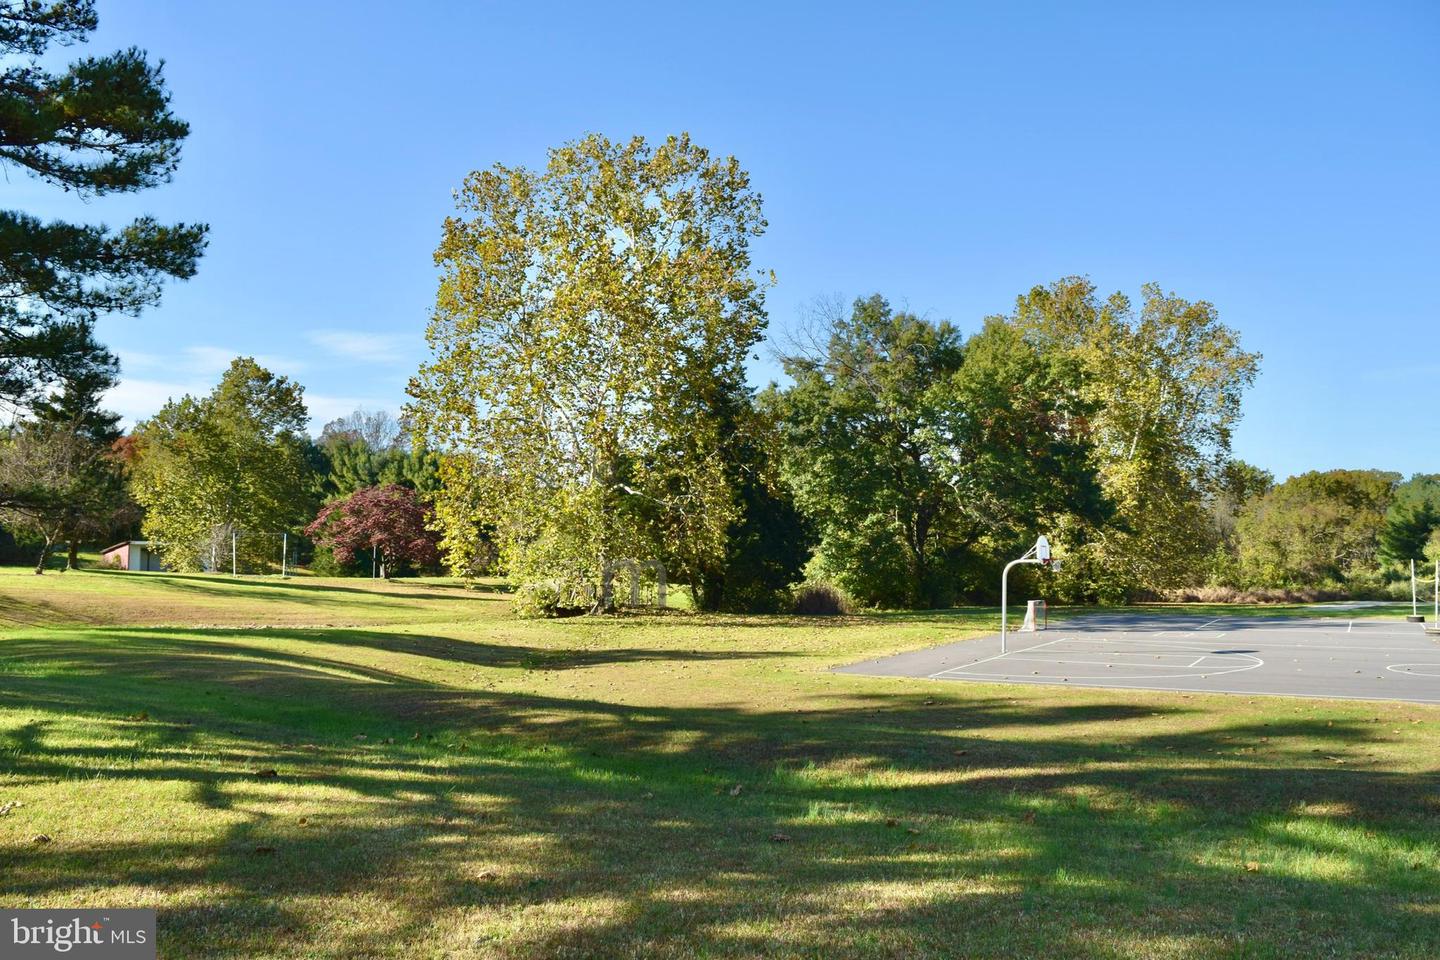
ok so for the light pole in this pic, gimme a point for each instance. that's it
(1040, 553)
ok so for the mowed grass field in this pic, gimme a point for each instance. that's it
(349, 769)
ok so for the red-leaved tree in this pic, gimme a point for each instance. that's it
(387, 522)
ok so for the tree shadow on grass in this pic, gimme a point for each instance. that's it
(530, 825)
(261, 588)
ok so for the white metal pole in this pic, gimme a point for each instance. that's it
(1437, 592)
(284, 549)
(1005, 595)
(1414, 597)
(1004, 600)
(234, 535)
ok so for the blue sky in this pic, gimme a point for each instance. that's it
(1280, 160)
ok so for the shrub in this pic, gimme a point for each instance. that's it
(1228, 594)
(553, 598)
(820, 600)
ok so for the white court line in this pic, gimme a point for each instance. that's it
(1208, 622)
(1107, 677)
(1181, 644)
(1400, 668)
(1124, 684)
(1016, 655)
(1236, 634)
(1198, 661)
(1097, 663)
(997, 657)
(1350, 626)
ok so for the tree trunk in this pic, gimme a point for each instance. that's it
(72, 559)
(44, 555)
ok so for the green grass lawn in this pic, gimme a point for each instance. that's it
(346, 769)
(122, 598)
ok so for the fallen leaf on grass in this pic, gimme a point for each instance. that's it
(735, 790)
(40, 838)
(914, 830)
(10, 805)
(264, 849)
(780, 837)
(1252, 866)
(267, 772)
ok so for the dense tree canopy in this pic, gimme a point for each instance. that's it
(374, 450)
(910, 450)
(768, 541)
(1318, 528)
(101, 125)
(60, 476)
(1412, 520)
(69, 484)
(1165, 387)
(232, 461)
(589, 317)
(858, 426)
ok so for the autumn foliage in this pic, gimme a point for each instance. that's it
(390, 519)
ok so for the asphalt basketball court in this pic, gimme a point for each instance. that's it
(1339, 658)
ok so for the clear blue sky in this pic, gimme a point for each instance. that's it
(1280, 160)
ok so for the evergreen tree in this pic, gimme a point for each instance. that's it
(102, 125)
(1412, 519)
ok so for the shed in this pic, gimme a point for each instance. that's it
(131, 555)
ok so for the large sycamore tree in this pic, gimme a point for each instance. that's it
(97, 126)
(1165, 385)
(590, 320)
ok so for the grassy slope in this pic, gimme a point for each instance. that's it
(457, 783)
(116, 598)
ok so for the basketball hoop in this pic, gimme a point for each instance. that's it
(1040, 553)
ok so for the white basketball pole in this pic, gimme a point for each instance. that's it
(234, 535)
(1036, 554)
(284, 548)
(1414, 597)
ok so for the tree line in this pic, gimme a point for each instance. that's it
(586, 403)
(587, 392)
